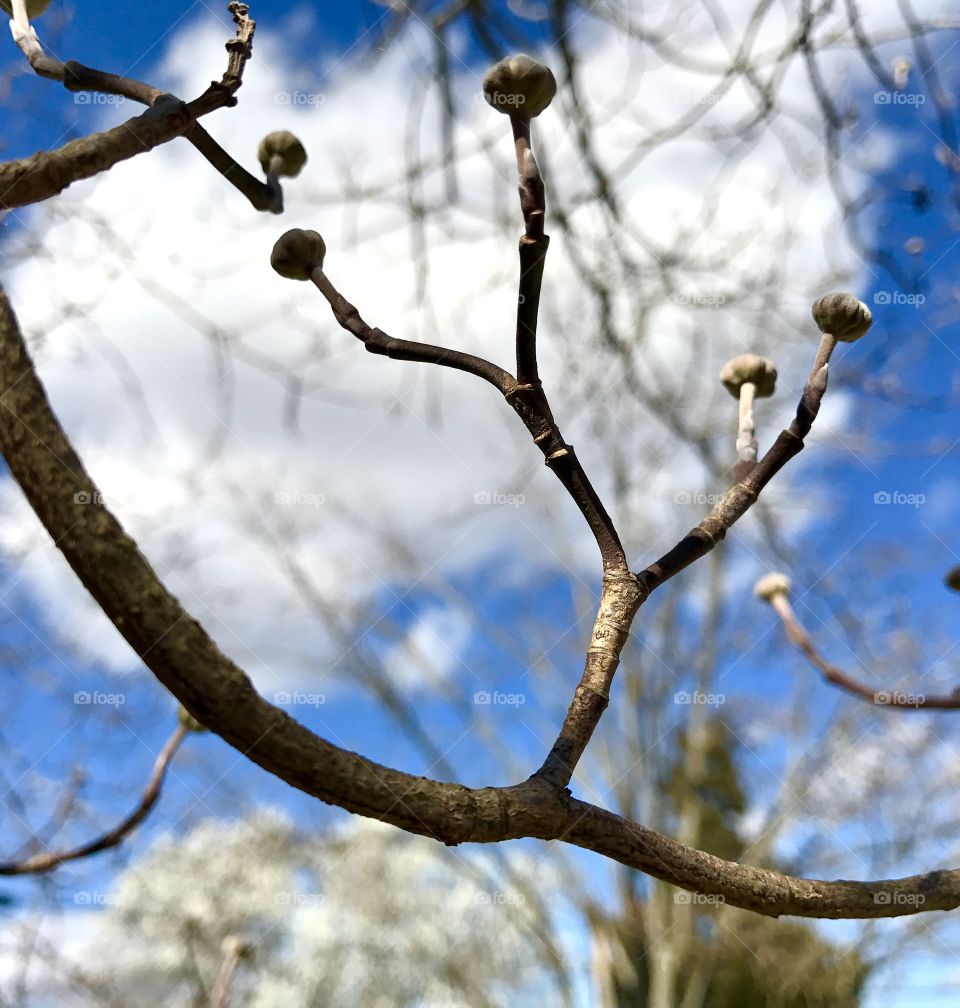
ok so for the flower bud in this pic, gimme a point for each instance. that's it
(236, 947)
(771, 585)
(285, 146)
(297, 253)
(842, 316)
(519, 86)
(749, 367)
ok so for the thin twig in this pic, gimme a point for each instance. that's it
(49, 860)
(898, 699)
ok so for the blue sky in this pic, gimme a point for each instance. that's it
(850, 543)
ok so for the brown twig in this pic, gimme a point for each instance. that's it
(528, 401)
(739, 498)
(34, 179)
(49, 860)
(898, 699)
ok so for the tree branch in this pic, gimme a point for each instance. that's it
(897, 699)
(216, 692)
(48, 860)
(37, 178)
(528, 401)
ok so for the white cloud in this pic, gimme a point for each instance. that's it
(171, 262)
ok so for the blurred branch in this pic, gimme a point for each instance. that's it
(49, 860)
(898, 699)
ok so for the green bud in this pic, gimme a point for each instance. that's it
(749, 367)
(843, 316)
(285, 146)
(519, 86)
(771, 585)
(298, 253)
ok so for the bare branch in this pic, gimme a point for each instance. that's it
(893, 698)
(48, 860)
(34, 179)
(219, 694)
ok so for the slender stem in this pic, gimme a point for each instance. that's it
(739, 498)
(828, 343)
(533, 255)
(533, 200)
(746, 432)
(50, 859)
(899, 699)
(234, 950)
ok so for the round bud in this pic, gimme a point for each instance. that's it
(285, 146)
(771, 585)
(952, 580)
(519, 86)
(235, 947)
(297, 254)
(189, 721)
(843, 316)
(749, 367)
